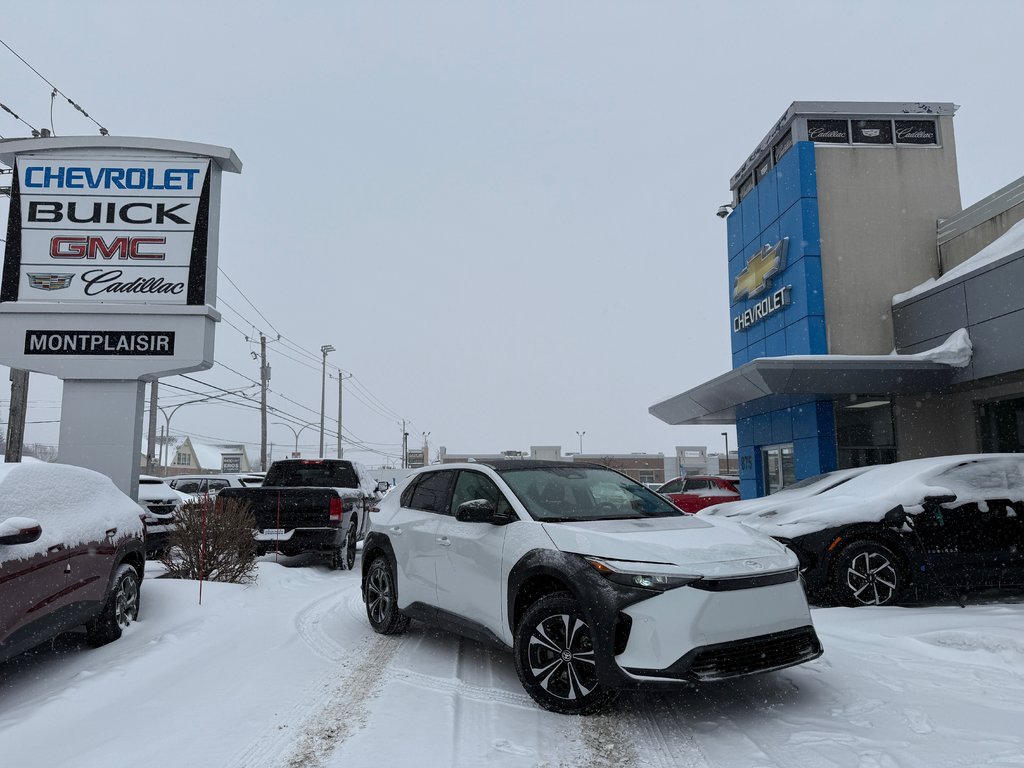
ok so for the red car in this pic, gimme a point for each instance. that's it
(694, 492)
(72, 553)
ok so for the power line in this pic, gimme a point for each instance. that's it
(56, 90)
(16, 116)
(242, 294)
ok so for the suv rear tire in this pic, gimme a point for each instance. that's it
(120, 609)
(554, 656)
(382, 599)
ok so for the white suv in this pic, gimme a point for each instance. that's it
(593, 581)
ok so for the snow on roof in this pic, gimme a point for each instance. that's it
(1009, 243)
(955, 351)
(73, 505)
(210, 455)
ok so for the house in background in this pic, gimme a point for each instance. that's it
(188, 456)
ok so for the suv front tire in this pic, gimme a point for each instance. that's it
(555, 657)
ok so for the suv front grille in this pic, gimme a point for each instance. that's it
(742, 657)
(756, 654)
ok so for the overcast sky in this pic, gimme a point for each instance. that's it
(500, 214)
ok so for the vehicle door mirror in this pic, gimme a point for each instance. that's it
(934, 501)
(895, 517)
(478, 511)
(382, 486)
(19, 530)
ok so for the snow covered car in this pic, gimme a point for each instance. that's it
(950, 523)
(593, 581)
(71, 554)
(160, 503)
(811, 486)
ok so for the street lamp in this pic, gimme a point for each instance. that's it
(295, 431)
(168, 416)
(323, 393)
(728, 466)
(580, 435)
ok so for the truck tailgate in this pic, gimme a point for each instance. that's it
(286, 508)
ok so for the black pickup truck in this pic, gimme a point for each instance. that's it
(310, 505)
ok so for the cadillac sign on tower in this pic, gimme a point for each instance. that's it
(109, 278)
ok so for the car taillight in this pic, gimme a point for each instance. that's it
(336, 510)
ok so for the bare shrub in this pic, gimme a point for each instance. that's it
(212, 543)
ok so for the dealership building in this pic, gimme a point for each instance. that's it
(872, 318)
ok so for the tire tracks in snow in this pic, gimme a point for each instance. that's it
(328, 711)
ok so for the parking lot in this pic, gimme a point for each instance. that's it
(287, 672)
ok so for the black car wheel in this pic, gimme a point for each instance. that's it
(120, 609)
(554, 656)
(349, 545)
(382, 599)
(867, 573)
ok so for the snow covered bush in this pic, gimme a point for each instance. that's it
(212, 544)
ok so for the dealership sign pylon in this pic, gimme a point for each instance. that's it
(110, 279)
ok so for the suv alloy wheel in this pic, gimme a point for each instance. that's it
(382, 599)
(554, 656)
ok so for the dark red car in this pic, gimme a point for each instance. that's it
(72, 553)
(694, 492)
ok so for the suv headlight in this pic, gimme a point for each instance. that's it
(654, 576)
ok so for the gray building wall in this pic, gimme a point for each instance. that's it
(878, 208)
(963, 235)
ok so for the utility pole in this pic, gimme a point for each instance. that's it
(264, 378)
(341, 378)
(323, 393)
(16, 416)
(151, 441)
(426, 450)
(405, 447)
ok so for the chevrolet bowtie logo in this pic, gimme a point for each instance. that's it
(761, 268)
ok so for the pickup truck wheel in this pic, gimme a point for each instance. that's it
(382, 599)
(120, 609)
(350, 546)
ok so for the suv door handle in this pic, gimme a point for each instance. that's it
(444, 541)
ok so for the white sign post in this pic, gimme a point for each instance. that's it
(110, 279)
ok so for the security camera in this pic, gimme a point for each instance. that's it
(723, 211)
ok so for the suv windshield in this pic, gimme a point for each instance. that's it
(572, 494)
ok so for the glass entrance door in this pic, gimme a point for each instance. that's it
(778, 467)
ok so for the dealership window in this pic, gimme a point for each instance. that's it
(779, 467)
(1001, 426)
(865, 434)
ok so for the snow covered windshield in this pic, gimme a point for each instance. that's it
(572, 494)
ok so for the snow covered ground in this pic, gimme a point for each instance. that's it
(287, 672)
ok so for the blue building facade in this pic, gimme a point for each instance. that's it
(786, 316)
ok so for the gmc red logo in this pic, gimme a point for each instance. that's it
(95, 246)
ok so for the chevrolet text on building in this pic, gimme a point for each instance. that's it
(764, 308)
(110, 278)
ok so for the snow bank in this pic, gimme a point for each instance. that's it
(1009, 243)
(73, 505)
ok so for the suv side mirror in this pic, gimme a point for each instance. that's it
(895, 517)
(479, 511)
(19, 530)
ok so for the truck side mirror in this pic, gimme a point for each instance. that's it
(383, 485)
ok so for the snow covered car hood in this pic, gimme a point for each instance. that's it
(709, 548)
(804, 516)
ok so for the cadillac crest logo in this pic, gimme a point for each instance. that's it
(49, 281)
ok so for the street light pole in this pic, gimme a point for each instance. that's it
(323, 393)
(580, 435)
(728, 466)
(295, 432)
